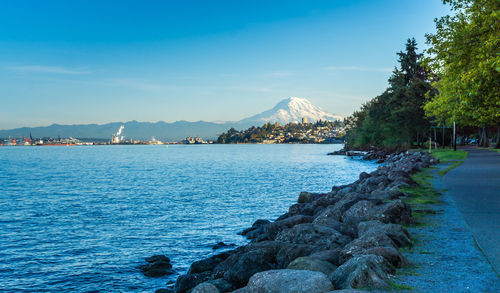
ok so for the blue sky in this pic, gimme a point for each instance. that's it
(102, 61)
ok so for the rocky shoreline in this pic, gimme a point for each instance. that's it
(344, 239)
(380, 156)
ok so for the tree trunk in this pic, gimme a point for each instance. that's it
(442, 138)
(479, 135)
(454, 136)
(484, 138)
(498, 137)
(464, 138)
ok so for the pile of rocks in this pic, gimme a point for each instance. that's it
(378, 155)
(347, 238)
(341, 152)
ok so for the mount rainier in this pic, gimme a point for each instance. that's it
(289, 110)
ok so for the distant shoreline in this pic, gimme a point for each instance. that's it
(168, 143)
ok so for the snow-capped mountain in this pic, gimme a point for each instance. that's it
(289, 110)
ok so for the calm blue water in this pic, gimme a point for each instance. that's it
(83, 218)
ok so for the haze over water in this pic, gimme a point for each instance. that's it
(83, 218)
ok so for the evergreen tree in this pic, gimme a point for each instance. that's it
(395, 119)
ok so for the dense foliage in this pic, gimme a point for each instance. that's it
(289, 133)
(395, 119)
(465, 53)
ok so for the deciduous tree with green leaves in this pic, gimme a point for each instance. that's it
(465, 54)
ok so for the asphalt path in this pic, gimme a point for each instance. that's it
(475, 188)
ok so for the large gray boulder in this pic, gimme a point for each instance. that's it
(330, 212)
(360, 245)
(386, 195)
(288, 281)
(364, 175)
(391, 254)
(331, 256)
(205, 288)
(343, 190)
(337, 210)
(221, 284)
(396, 211)
(257, 230)
(186, 282)
(344, 228)
(288, 252)
(207, 264)
(272, 229)
(312, 264)
(360, 211)
(309, 196)
(365, 271)
(397, 233)
(248, 260)
(398, 175)
(305, 209)
(322, 236)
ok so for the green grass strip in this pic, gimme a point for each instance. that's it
(452, 166)
(396, 287)
(422, 193)
(449, 156)
(494, 150)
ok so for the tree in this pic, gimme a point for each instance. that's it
(222, 138)
(465, 53)
(395, 119)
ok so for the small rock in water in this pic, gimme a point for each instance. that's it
(220, 245)
(341, 152)
(156, 258)
(158, 266)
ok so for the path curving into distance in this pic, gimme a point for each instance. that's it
(475, 188)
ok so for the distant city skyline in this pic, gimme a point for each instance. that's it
(85, 62)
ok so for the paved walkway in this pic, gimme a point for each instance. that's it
(475, 188)
(445, 257)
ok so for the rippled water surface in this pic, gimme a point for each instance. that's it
(83, 218)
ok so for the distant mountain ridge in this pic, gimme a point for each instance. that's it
(133, 129)
(292, 109)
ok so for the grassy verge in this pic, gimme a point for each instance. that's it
(422, 193)
(494, 150)
(396, 286)
(420, 197)
(449, 156)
